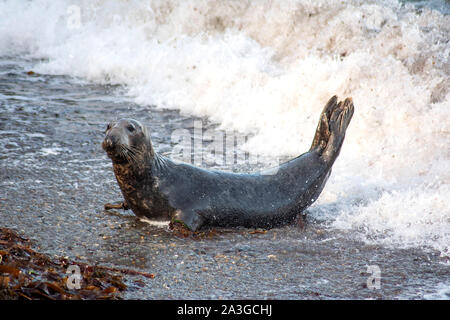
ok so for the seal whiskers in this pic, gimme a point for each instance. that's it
(129, 152)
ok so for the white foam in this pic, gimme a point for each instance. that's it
(425, 221)
(159, 224)
(442, 292)
(51, 151)
(268, 68)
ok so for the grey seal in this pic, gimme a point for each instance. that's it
(158, 188)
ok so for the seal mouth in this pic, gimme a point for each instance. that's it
(111, 148)
(108, 145)
(120, 152)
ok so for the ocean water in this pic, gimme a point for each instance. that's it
(265, 69)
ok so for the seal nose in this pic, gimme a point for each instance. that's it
(109, 142)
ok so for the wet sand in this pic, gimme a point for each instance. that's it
(55, 179)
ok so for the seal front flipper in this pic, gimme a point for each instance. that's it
(122, 205)
(189, 219)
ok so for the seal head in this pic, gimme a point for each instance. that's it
(127, 143)
(127, 140)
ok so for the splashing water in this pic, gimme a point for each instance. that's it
(267, 68)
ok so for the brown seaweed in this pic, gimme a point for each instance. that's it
(28, 274)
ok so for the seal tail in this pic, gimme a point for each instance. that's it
(330, 132)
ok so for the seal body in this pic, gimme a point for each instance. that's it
(158, 188)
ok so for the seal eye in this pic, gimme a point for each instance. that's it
(131, 127)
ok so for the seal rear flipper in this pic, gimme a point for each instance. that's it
(338, 124)
(330, 131)
(323, 132)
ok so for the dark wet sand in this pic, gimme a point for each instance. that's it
(54, 180)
